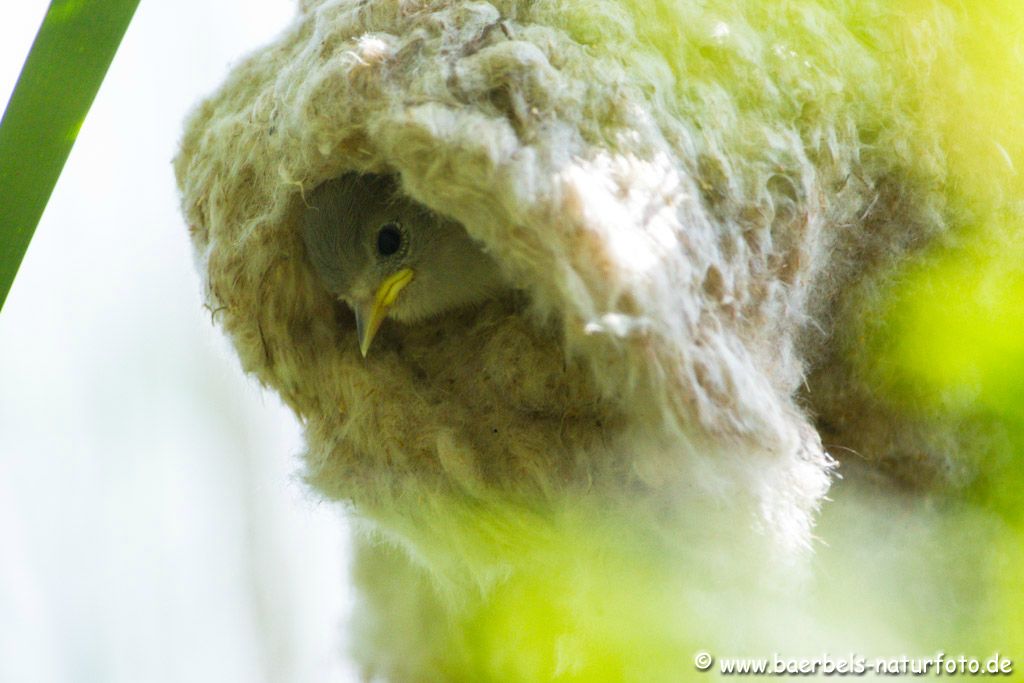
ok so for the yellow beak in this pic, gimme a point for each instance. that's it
(370, 315)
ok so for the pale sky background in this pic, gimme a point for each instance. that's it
(152, 523)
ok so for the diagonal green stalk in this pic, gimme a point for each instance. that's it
(57, 85)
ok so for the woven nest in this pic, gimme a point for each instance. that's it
(690, 199)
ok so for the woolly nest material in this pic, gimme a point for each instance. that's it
(682, 194)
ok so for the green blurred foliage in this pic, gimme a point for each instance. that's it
(950, 340)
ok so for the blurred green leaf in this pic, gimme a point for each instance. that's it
(57, 85)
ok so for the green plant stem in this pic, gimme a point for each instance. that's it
(57, 85)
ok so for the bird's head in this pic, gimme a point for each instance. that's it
(387, 256)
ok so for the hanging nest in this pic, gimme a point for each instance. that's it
(696, 204)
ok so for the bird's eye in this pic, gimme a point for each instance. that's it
(389, 239)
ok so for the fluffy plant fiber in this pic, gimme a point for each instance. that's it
(697, 203)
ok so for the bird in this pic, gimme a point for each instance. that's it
(388, 256)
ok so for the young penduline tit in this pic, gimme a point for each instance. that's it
(386, 255)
